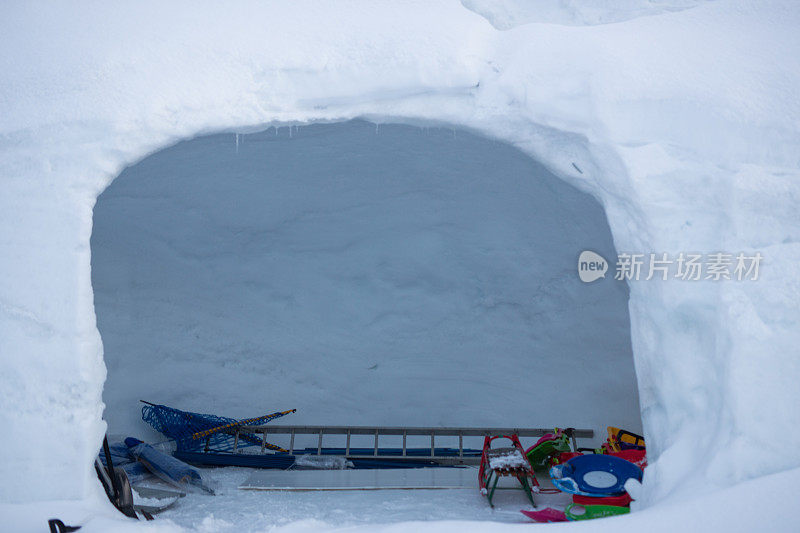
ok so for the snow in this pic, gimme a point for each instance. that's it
(262, 510)
(508, 459)
(321, 462)
(363, 479)
(683, 125)
(394, 276)
(440, 511)
(507, 14)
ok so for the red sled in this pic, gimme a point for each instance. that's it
(637, 457)
(501, 462)
(623, 500)
(546, 515)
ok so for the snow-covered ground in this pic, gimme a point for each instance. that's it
(681, 122)
(362, 274)
(754, 505)
(233, 509)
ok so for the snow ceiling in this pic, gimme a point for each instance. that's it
(683, 123)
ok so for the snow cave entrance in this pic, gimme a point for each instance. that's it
(362, 274)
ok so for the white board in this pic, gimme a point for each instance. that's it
(378, 479)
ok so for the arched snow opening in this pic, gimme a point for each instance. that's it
(682, 160)
(363, 274)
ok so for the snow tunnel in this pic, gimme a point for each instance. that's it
(362, 274)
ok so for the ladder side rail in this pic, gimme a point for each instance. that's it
(396, 430)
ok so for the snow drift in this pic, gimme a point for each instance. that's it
(684, 125)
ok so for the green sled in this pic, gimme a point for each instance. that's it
(593, 511)
(539, 455)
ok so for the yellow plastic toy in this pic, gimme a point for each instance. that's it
(622, 439)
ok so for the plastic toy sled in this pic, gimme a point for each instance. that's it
(594, 475)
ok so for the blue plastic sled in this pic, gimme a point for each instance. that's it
(594, 475)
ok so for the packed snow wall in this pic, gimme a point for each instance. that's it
(683, 125)
(363, 274)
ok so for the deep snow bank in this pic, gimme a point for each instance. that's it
(363, 275)
(684, 125)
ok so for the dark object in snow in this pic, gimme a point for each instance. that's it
(57, 526)
(166, 467)
(155, 495)
(195, 432)
(115, 482)
(120, 455)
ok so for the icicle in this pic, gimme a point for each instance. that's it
(237, 142)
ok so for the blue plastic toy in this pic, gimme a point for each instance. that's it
(594, 475)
